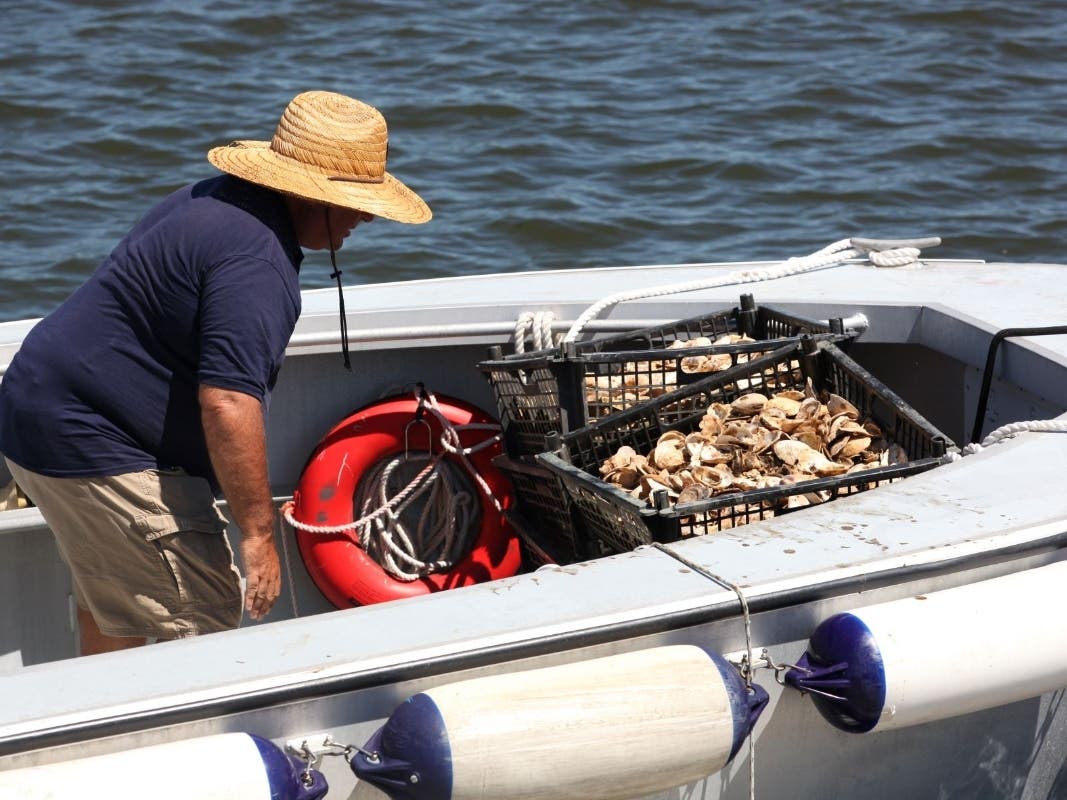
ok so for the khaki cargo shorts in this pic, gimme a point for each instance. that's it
(147, 550)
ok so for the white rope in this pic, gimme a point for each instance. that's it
(282, 534)
(448, 520)
(538, 324)
(442, 533)
(896, 257)
(1008, 431)
(287, 508)
(879, 253)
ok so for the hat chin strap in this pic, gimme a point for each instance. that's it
(336, 274)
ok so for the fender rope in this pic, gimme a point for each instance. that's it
(747, 618)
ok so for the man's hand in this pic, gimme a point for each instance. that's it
(237, 443)
(263, 575)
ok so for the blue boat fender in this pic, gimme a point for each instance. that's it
(230, 766)
(935, 656)
(614, 727)
(843, 671)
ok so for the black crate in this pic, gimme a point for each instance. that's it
(527, 399)
(549, 531)
(622, 522)
(557, 390)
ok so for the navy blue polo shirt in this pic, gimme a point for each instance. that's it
(204, 290)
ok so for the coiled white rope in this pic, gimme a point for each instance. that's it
(895, 257)
(442, 534)
(879, 253)
(538, 324)
(449, 518)
(1008, 431)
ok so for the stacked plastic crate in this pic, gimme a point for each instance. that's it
(907, 442)
(562, 400)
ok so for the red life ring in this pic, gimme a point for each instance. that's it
(324, 497)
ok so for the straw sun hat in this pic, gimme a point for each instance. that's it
(327, 147)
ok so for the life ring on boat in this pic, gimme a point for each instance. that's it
(325, 497)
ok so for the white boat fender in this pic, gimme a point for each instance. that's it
(936, 656)
(621, 726)
(229, 766)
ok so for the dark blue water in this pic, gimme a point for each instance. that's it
(553, 134)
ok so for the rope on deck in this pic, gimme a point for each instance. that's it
(881, 253)
(1009, 431)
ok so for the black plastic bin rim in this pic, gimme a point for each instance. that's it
(555, 355)
(795, 349)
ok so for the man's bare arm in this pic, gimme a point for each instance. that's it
(237, 444)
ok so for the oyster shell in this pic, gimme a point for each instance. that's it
(760, 439)
(836, 404)
(694, 492)
(807, 459)
(748, 404)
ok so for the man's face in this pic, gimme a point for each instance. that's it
(310, 223)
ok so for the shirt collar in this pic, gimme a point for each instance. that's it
(266, 205)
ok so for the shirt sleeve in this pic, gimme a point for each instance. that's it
(247, 315)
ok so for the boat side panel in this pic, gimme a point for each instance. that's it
(314, 392)
(37, 621)
(992, 753)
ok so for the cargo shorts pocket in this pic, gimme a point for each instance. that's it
(187, 530)
(179, 502)
(202, 569)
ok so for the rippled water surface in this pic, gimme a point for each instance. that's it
(552, 134)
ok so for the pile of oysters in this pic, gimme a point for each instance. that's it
(756, 442)
(644, 380)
